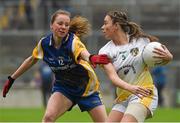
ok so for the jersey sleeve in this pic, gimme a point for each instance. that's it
(106, 50)
(38, 51)
(77, 47)
(103, 51)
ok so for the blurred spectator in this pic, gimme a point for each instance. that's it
(47, 78)
(4, 19)
(4, 22)
(18, 16)
(159, 77)
(29, 12)
(25, 14)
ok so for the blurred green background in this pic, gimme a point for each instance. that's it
(36, 114)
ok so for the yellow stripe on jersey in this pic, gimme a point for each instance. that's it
(77, 47)
(38, 51)
(147, 83)
(144, 80)
(147, 101)
(93, 84)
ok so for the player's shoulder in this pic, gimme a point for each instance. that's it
(46, 40)
(73, 37)
(141, 40)
(144, 39)
(107, 47)
(109, 44)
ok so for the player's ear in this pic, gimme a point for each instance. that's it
(51, 26)
(117, 25)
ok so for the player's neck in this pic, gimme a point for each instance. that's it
(57, 41)
(120, 38)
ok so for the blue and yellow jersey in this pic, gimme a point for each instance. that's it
(66, 63)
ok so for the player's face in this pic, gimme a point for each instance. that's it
(108, 27)
(60, 26)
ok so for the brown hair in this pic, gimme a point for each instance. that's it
(133, 29)
(55, 14)
(80, 26)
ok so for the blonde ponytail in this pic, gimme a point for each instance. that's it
(80, 26)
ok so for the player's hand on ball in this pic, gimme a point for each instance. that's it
(7, 85)
(164, 54)
(99, 59)
(140, 91)
(155, 53)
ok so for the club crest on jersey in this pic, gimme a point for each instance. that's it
(134, 51)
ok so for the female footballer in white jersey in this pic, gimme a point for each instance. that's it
(127, 70)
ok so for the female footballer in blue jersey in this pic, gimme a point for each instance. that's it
(76, 81)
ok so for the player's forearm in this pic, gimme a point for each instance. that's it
(85, 55)
(28, 63)
(119, 82)
(113, 76)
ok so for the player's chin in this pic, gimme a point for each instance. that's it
(61, 35)
(107, 37)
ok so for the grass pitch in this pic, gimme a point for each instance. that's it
(36, 114)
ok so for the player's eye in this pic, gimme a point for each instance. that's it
(60, 23)
(66, 24)
(105, 22)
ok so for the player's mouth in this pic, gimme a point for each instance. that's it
(62, 32)
(104, 32)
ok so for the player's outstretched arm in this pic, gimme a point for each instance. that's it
(95, 59)
(28, 63)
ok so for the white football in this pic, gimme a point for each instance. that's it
(147, 54)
